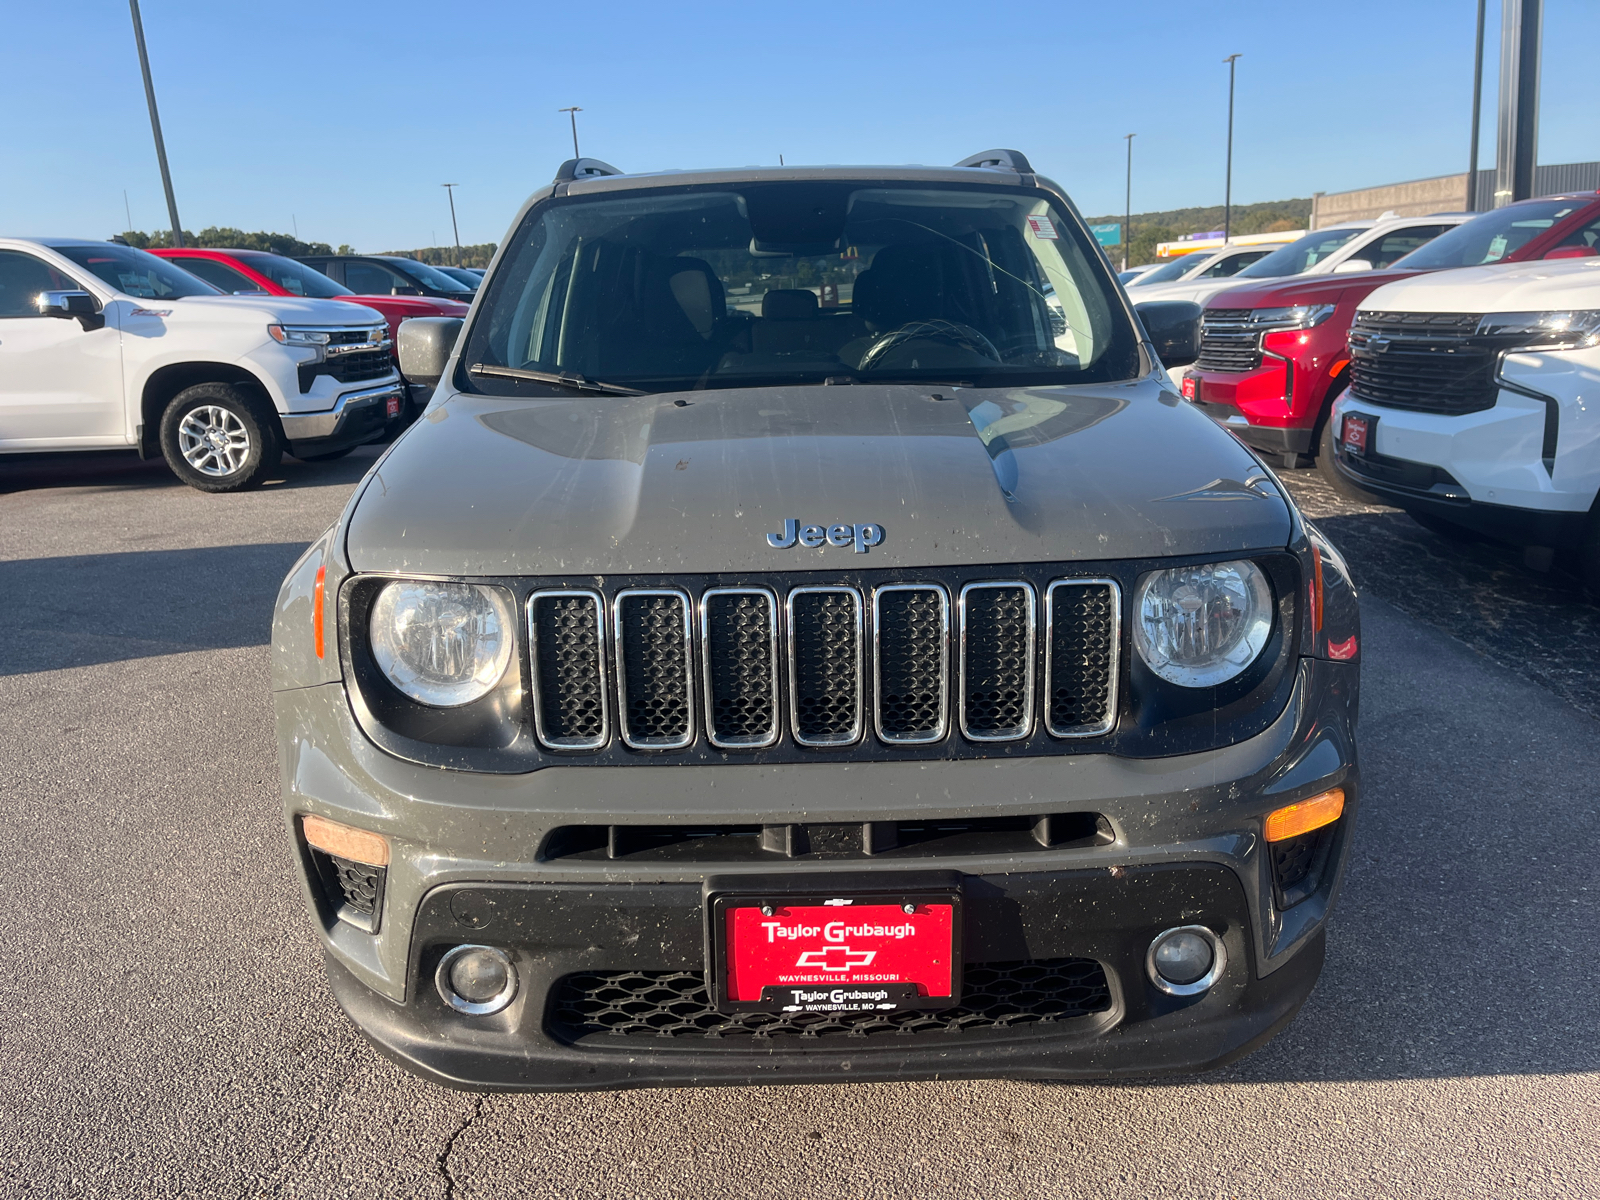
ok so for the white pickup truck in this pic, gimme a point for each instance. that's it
(1474, 403)
(106, 347)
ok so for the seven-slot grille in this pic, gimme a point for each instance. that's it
(1229, 340)
(726, 658)
(1425, 362)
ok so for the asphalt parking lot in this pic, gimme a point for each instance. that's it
(165, 1028)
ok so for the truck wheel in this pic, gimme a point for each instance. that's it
(1330, 472)
(217, 437)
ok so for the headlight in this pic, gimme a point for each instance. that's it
(443, 644)
(293, 335)
(1569, 330)
(1299, 316)
(1201, 626)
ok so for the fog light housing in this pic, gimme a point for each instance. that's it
(476, 980)
(1186, 960)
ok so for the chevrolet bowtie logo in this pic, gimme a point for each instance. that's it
(836, 958)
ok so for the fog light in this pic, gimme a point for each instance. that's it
(1186, 961)
(476, 980)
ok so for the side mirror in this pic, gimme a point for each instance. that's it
(1174, 329)
(1351, 265)
(425, 344)
(1573, 252)
(79, 306)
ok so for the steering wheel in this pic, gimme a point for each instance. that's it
(947, 333)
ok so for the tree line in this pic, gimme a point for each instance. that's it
(224, 237)
(1272, 216)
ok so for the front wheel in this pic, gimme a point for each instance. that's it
(217, 437)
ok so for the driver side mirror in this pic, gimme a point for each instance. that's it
(1173, 327)
(79, 306)
(425, 344)
(1351, 265)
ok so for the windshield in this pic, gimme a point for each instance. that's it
(295, 278)
(462, 275)
(1488, 238)
(801, 282)
(135, 273)
(426, 275)
(1171, 271)
(1300, 255)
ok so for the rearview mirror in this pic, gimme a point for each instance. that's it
(80, 306)
(425, 344)
(1351, 265)
(1174, 329)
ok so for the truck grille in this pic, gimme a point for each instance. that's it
(1229, 341)
(1424, 362)
(770, 662)
(359, 365)
(675, 1005)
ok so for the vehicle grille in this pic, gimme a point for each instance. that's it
(1425, 362)
(359, 365)
(353, 890)
(1228, 340)
(675, 1005)
(723, 663)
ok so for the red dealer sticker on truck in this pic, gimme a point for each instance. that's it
(839, 956)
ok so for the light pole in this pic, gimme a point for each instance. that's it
(450, 190)
(155, 125)
(1127, 206)
(573, 113)
(1477, 106)
(1227, 193)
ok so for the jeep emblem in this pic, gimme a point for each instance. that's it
(859, 536)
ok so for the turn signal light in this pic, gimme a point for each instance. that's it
(1294, 819)
(317, 598)
(345, 841)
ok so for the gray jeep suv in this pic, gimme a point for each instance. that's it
(806, 638)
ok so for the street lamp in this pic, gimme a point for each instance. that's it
(1477, 106)
(1127, 206)
(449, 190)
(1227, 194)
(573, 113)
(155, 126)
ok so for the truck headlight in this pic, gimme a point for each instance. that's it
(1299, 316)
(1564, 330)
(1201, 626)
(442, 644)
(295, 335)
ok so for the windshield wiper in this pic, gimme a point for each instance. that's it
(576, 382)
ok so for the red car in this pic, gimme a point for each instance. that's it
(1273, 356)
(258, 271)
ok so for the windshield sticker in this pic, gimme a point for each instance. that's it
(1497, 248)
(1043, 227)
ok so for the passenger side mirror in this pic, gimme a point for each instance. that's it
(1573, 252)
(1351, 265)
(425, 344)
(1174, 328)
(79, 306)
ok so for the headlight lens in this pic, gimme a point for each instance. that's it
(443, 644)
(293, 335)
(1299, 316)
(1565, 330)
(1201, 626)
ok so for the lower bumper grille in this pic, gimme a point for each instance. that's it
(674, 1005)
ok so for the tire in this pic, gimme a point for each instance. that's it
(218, 437)
(330, 456)
(1589, 558)
(1445, 529)
(1330, 472)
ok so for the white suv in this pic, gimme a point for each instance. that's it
(1474, 402)
(107, 347)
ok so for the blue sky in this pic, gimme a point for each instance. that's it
(342, 117)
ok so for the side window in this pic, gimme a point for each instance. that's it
(369, 279)
(1585, 235)
(23, 277)
(1396, 245)
(217, 274)
(1232, 265)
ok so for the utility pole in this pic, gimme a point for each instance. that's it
(1127, 206)
(1477, 109)
(573, 113)
(450, 190)
(1517, 148)
(155, 125)
(1227, 192)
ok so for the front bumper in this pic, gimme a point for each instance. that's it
(358, 417)
(1187, 848)
(1264, 407)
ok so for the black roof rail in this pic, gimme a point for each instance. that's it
(1000, 160)
(583, 168)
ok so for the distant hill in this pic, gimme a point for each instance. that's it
(445, 256)
(1153, 227)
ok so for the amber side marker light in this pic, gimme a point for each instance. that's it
(343, 841)
(1294, 819)
(316, 607)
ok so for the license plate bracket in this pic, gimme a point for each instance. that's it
(834, 951)
(1355, 434)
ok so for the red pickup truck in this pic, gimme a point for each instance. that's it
(237, 271)
(1273, 356)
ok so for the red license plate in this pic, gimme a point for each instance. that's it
(1191, 387)
(838, 954)
(394, 406)
(1354, 434)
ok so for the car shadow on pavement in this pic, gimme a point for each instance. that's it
(123, 469)
(78, 610)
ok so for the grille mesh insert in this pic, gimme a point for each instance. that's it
(654, 668)
(1082, 650)
(911, 664)
(1425, 362)
(740, 678)
(825, 632)
(572, 709)
(672, 1005)
(997, 668)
